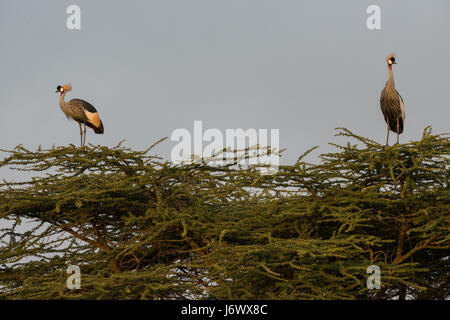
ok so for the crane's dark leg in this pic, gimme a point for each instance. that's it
(84, 140)
(81, 134)
(398, 129)
(387, 137)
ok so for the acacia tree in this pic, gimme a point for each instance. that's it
(143, 228)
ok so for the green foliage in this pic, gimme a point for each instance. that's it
(140, 227)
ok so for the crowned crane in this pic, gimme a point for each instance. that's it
(81, 111)
(392, 103)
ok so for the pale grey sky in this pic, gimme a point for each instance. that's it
(150, 67)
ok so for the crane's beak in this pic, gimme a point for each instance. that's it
(394, 62)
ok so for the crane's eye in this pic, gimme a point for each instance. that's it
(393, 59)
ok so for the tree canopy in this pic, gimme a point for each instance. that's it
(140, 227)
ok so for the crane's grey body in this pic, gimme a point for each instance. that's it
(391, 104)
(81, 111)
(75, 109)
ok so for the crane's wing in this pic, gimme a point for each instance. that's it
(90, 115)
(402, 106)
(83, 104)
(393, 109)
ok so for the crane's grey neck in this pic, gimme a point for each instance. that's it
(390, 82)
(65, 106)
(62, 103)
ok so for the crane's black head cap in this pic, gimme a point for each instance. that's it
(390, 59)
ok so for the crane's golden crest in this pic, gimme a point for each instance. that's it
(67, 87)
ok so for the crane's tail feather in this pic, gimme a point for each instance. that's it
(99, 129)
(392, 123)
